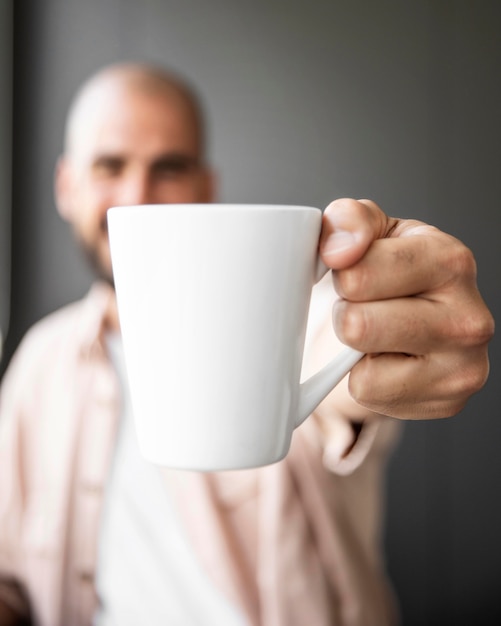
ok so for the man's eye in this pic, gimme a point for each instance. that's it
(175, 167)
(108, 167)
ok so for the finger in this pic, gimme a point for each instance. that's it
(418, 387)
(412, 325)
(348, 229)
(400, 325)
(403, 266)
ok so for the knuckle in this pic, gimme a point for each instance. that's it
(473, 379)
(461, 262)
(481, 329)
(474, 328)
(463, 374)
(477, 379)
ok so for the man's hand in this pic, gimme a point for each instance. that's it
(409, 299)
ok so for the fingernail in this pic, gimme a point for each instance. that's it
(338, 241)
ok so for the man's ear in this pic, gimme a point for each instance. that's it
(62, 188)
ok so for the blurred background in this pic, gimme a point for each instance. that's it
(399, 101)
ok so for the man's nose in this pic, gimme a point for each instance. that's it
(136, 189)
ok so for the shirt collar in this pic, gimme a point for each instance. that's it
(96, 312)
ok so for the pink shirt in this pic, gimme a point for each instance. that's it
(294, 543)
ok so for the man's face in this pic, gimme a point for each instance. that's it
(134, 148)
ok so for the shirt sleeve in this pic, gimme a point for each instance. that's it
(12, 490)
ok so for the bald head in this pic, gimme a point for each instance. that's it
(119, 81)
(134, 136)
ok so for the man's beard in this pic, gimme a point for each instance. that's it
(91, 254)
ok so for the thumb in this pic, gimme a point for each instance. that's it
(348, 229)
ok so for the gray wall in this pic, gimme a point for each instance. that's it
(6, 44)
(393, 100)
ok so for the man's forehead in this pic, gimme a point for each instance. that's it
(113, 98)
(116, 122)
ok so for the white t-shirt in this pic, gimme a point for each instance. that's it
(147, 572)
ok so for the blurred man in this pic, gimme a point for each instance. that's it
(90, 533)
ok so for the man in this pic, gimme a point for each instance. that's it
(90, 533)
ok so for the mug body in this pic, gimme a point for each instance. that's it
(213, 302)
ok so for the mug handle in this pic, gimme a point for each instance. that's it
(313, 390)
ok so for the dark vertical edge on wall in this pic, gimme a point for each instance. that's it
(24, 53)
(5, 166)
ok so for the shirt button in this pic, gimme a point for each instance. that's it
(85, 576)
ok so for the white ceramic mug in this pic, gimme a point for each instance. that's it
(213, 302)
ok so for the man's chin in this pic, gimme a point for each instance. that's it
(100, 268)
(107, 279)
(104, 274)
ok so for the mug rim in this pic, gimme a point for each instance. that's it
(213, 205)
